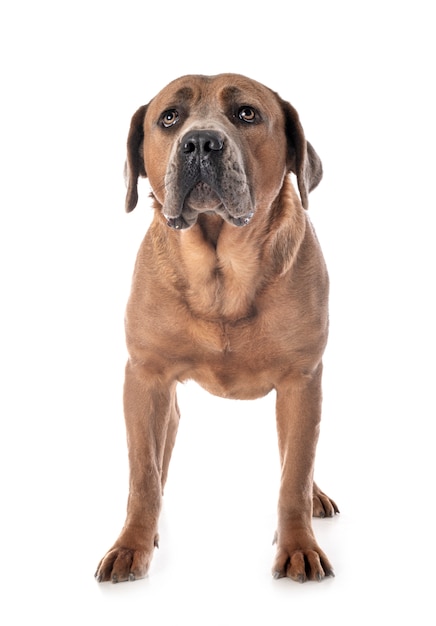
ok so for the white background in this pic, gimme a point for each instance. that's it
(361, 74)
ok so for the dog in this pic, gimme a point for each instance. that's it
(229, 289)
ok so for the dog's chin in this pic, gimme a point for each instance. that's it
(203, 199)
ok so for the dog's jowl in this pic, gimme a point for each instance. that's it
(229, 289)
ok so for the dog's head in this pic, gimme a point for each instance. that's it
(220, 144)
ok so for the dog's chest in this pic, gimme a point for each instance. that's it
(221, 280)
(226, 361)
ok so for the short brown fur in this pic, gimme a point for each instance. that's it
(229, 289)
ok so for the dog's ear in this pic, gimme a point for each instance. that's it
(303, 161)
(134, 166)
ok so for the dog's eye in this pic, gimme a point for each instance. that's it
(169, 118)
(247, 114)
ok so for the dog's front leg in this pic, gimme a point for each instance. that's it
(148, 407)
(298, 416)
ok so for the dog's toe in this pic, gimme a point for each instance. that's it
(323, 506)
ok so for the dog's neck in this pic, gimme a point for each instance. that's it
(211, 225)
(221, 268)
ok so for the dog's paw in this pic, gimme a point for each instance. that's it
(302, 564)
(323, 506)
(123, 564)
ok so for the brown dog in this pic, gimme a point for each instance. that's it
(230, 289)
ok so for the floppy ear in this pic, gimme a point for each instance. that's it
(303, 161)
(134, 166)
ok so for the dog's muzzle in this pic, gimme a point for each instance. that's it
(206, 175)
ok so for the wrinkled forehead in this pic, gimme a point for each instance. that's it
(221, 92)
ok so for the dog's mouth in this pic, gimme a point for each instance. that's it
(202, 198)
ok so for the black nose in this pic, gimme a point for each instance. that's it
(202, 142)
